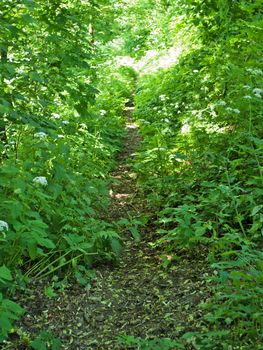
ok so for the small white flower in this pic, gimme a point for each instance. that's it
(103, 112)
(195, 71)
(55, 115)
(255, 71)
(41, 180)
(65, 122)
(3, 226)
(159, 149)
(258, 92)
(40, 135)
(247, 97)
(229, 109)
(221, 103)
(185, 129)
(162, 97)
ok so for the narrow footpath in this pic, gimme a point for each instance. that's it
(136, 295)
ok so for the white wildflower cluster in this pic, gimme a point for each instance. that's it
(41, 180)
(3, 228)
(233, 110)
(41, 135)
(258, 92)
(163, 112)
(186, 128)
(103, 112)
(55, 115)
(163, 97)
(221, 103)
(255, 71)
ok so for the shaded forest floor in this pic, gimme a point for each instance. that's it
(134, 296)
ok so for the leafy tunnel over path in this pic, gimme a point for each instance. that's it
(175, 231)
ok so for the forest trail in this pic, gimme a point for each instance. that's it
(135, 296)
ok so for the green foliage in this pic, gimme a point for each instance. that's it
(61, 124)
(156, 344)
(132, 225)
(62, 97)
(9, 311)
(200, 163)
(45, 341)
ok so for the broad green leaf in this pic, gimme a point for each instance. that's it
(256, 209)
(5, 273)
(116, 246)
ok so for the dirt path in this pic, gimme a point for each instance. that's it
(136, 296)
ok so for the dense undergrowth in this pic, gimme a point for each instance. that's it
(199, 73)
(61, 124)
(201, 162)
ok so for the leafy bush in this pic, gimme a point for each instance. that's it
(60, 126)
(200, 162)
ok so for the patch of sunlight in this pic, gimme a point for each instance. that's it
(214, 128)
(122, 195)
(125, 61)
(131, 126)
(210, 128)
(152, 60)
